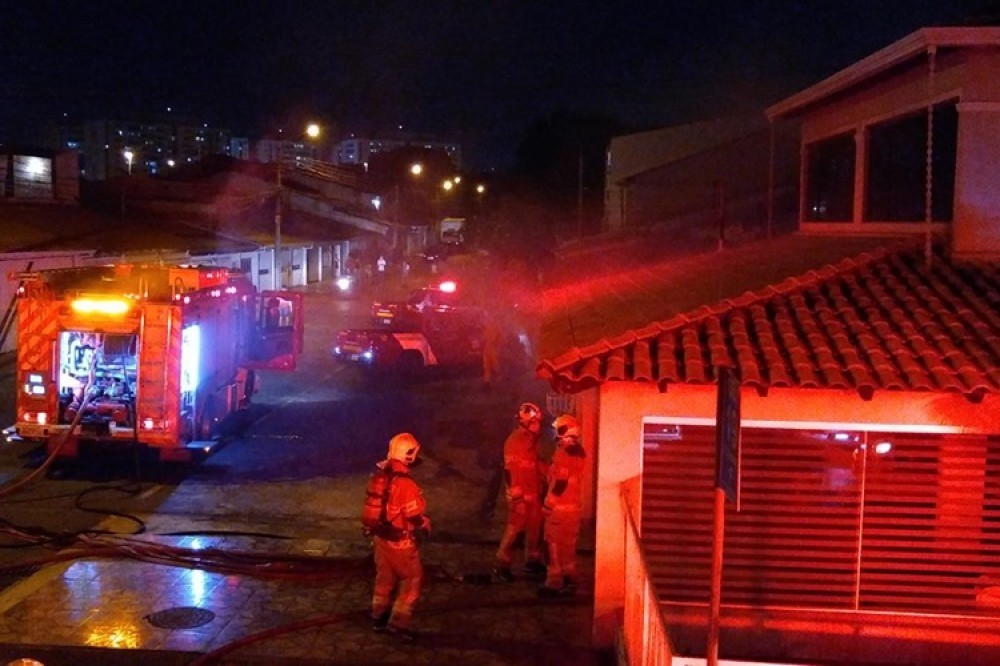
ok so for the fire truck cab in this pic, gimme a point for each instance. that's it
(150, 355)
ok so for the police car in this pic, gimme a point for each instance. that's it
(441, 338)
(442, 297)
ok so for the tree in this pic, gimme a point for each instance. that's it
(560, 166)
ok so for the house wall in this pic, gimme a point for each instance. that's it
(977, 195)
(622, 406)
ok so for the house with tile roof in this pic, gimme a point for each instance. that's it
(866, 351)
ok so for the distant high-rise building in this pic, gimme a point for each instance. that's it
(358, 150)
(270, 149)
(110, 148)
(239, 147)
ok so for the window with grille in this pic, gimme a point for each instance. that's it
(862, 521)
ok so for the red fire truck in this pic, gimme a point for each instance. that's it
(150, 355)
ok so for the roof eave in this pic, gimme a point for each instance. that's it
(911, 46)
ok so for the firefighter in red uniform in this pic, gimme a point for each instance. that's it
(393, 516)
(562, 509)
(524, 474)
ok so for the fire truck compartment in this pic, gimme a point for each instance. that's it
(106, 361)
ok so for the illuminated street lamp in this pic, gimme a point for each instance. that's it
(448, 185)
(480, 188)
(312, 131)
(129, 156)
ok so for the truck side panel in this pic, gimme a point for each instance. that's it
(158, 401)
(38, 325)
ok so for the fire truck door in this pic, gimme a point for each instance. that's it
(278, 334)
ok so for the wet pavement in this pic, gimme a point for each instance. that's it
(97, 611)
(270, 599)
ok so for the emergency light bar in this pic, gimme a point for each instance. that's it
(101, 307)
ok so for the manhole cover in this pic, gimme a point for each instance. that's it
(181, 617)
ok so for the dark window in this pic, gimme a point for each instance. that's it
(830, 180)
(897, 167)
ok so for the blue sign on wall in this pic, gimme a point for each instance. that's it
(727, 434)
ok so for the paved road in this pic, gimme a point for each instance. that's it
(299, 467)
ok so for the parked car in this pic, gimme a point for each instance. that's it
(441, 251)
(449, 337)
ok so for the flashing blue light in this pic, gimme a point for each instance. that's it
(190, 358)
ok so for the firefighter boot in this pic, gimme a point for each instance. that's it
(503, 574)
(534, 569)
(403, 633)
(546, 592)
(381, 622)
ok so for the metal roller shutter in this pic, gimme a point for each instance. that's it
(828, 520)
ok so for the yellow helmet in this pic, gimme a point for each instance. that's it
(567, 426)
(404, 448)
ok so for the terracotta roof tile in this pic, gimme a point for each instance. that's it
(642, 363)
(881, 320)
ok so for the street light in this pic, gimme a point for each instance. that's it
(129, 156)
(313, 132)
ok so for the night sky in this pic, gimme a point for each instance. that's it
(476, 71)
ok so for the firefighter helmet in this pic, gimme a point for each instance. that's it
(404, 448)
(567, 427)
(529, 413)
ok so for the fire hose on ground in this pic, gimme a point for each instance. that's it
(27, 479)
(249, 563)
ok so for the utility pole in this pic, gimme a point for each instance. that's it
(721, 192)
(579, 195)
(276, 259)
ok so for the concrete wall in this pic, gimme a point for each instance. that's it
(680, 178)
(977, 178)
